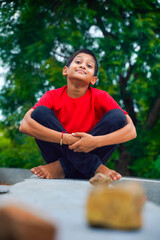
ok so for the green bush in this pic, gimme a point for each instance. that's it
(25, 155)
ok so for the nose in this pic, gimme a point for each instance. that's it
(82, 66)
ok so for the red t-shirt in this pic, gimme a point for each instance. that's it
(78, 114)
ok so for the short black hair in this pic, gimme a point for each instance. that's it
(87, 51)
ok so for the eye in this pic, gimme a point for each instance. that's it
(89, 66)
(77, 61)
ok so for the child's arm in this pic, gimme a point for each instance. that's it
(32, 128)
(88, 142)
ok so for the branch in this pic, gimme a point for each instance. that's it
(128, 101)
(59, 54)
(130, 70)
(99, 9)
(153, 115)
(101, 26)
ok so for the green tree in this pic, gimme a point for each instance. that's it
(38, 36)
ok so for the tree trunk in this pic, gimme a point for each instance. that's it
(122, 165)
(153, 115)
(126, 97)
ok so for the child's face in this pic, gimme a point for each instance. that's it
(81, 69)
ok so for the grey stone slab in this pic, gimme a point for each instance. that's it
(151, 187)
(13, 175)
(64, 203)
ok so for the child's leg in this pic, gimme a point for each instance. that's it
(74, 165)
(110, 122)
(89, 163)
(51, 152)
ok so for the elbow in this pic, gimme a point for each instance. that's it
(134, 133)
(22, 128)
(26, 126)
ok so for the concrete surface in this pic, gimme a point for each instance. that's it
(13, 175)
(151, 187)
(64, 203)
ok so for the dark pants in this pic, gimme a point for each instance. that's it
(78, 165)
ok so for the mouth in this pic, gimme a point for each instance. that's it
(80, 71)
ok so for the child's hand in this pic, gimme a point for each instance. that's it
(86, 143)
(69, 139)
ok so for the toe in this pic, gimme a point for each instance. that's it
(37, 171)
(42, 175)
(33, 170)
(118, 176)
(39, 175)
(113, 177)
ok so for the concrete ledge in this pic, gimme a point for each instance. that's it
(13, 175)
(151, 187)
(63, 201)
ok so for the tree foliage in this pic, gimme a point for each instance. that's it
(36, 38)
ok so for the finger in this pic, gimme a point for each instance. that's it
(73, 146)
(78, 134)
(80, 150)
(76, 149)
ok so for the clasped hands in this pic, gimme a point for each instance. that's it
(83, 142)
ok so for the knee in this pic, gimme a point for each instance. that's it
(40, 114)
(119, 118)
(116, 118)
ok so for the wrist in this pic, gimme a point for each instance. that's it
(99, 141)
(68, 139)
(65, 138)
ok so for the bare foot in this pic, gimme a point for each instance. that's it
(50, 171)
(108, 172)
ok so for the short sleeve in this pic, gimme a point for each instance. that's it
(108, 103)
(46, 100)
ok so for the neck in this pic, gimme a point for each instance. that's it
(75, 91)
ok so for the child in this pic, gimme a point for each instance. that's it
(77, 127)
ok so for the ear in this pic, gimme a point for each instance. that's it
(65, 71)
(94, 80)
